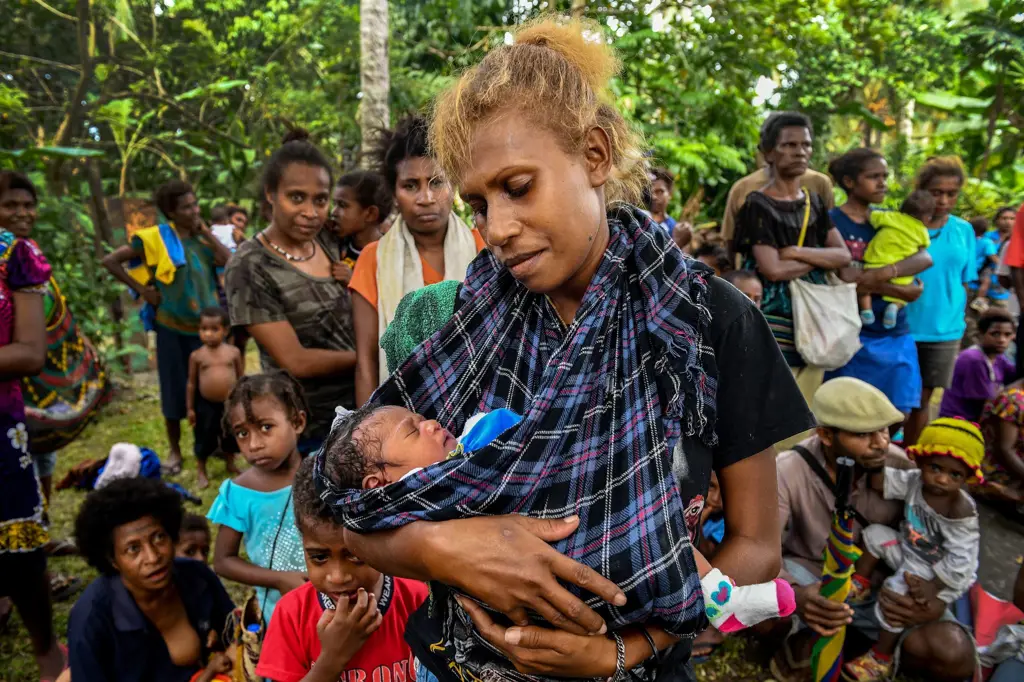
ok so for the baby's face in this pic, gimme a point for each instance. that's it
(408, 441)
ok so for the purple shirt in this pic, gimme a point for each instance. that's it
(976, 380)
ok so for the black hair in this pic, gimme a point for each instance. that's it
(851, 165)
(219, 313)
(993, 316)
(279, 385)
(407, 141)
(776, 122)
(371, 189)
(219, 214)
(167, 195)
(721, 256)
(310, 510)
(194, 522)
(14, 180)
(921, 205)
(1001, 210)
(734, 277)
(940, 167)
(295, 148)
(232, 209)
(346, 460)
(663, 175)
(980, 224)
(123, 501)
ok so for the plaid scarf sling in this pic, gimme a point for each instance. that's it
(604, 402)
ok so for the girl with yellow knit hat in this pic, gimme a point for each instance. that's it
(937, 543)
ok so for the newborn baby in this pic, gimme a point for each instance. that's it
(377, 445)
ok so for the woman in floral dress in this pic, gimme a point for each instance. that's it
(24, 273)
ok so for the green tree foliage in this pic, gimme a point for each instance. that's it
(205, 89)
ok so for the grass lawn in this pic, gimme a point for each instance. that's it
(134, 417)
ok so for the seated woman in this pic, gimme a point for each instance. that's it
(150, 617)
(1002, 422)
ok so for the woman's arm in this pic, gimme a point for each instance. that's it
(114, 262)
(833, 256)
(541, 651)
(511, 567)
(282, 343)
(776, 269)
(228, 564)
(750, 553)
(25, 355)
(364, 319)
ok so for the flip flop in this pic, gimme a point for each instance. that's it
(171, 469)
(60, 548)
(63, 587)
(708, 650)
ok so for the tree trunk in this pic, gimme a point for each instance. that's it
(103, 239)
(72, 122)
(579, 8)
(993, 120)
(374, 73)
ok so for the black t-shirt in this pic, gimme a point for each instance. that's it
(758, 403)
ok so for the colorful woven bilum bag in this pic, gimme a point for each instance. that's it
(60, 400)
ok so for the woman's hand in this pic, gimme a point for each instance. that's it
(512, 568)
(540, 651)
(151, 295)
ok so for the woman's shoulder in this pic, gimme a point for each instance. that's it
(369, 254)
(96, 603)
(249, 257)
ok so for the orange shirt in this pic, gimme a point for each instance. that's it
(364, 276)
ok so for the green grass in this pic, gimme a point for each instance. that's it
(134, 417)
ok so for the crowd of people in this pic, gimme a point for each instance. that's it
(646, 461)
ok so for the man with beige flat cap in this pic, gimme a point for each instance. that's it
(853, 421)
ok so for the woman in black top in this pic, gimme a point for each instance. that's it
(149, 617)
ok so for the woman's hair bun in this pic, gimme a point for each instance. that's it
(579, 42)
(296, 135)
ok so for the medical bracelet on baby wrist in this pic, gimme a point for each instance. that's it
(655, 654)
(620, 659)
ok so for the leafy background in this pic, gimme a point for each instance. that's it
(107, 99)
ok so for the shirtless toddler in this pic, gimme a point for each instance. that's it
(213, 371)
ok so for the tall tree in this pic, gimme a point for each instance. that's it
(374, 71)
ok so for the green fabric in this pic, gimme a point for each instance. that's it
(194, 287)
(419, 314)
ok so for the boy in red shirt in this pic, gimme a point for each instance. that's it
(347, 624)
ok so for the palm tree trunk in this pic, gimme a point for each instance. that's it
(374, 74)
(993, 119)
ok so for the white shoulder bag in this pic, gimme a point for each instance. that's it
(826, 318)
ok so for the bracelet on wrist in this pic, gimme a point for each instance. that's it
(620, 659)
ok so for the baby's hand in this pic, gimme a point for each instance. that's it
(343, 631)
(341, 272)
